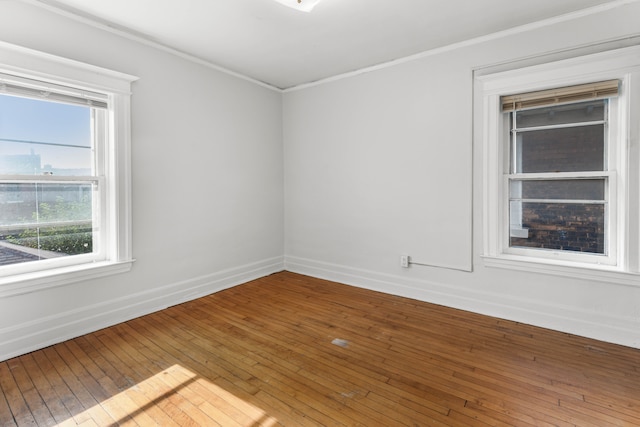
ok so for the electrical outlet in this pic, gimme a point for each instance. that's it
(404, 261)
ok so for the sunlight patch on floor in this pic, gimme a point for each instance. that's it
(174, 394)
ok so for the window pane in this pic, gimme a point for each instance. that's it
(560, 150)
(567, 189)
(576, 227)
(45, 220)
(44, 138)
(591, 111)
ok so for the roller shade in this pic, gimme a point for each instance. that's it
(27, 88)
(562, 95)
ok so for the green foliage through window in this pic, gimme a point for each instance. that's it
(73, 239)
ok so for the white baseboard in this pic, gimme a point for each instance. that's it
(39, 333)
(596, 325)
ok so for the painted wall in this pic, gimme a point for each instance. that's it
(207, 184)
(389, 162)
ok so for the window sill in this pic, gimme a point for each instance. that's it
(37, 281)
(583, 271)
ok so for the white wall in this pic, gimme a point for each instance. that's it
(207, 184)
(389, 162)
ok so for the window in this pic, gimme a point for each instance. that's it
(51, 164)
(559, 185)
(64, 171)
(561, 177)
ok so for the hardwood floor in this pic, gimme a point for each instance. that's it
(297, 351)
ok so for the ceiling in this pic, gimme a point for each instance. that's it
(284, 48)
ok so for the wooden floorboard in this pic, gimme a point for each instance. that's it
(290, 350)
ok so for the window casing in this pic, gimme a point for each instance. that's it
(87, 199)
(534, 166)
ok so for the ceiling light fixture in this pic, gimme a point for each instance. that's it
(302, 5)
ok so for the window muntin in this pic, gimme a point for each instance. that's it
(559, 181)
(51, 181)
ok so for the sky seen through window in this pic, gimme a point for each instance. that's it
(60, 134)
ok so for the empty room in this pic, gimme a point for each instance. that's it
(319, 213)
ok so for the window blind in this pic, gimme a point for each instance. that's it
(27, 88)
(563, 95)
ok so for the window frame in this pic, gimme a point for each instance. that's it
(115, 253)
(610, 174)
(100, 213)
(622, 64)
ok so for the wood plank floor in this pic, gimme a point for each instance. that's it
(296, 351)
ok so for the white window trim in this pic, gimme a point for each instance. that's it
(623, 64)
(23, 62)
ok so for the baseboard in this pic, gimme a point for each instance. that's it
(595, 325)
(39, 333)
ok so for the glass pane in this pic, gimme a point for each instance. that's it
(45, 220)
(561, 150)
(591, 111)
(567, 189)
(576, 227)
(44, 138)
